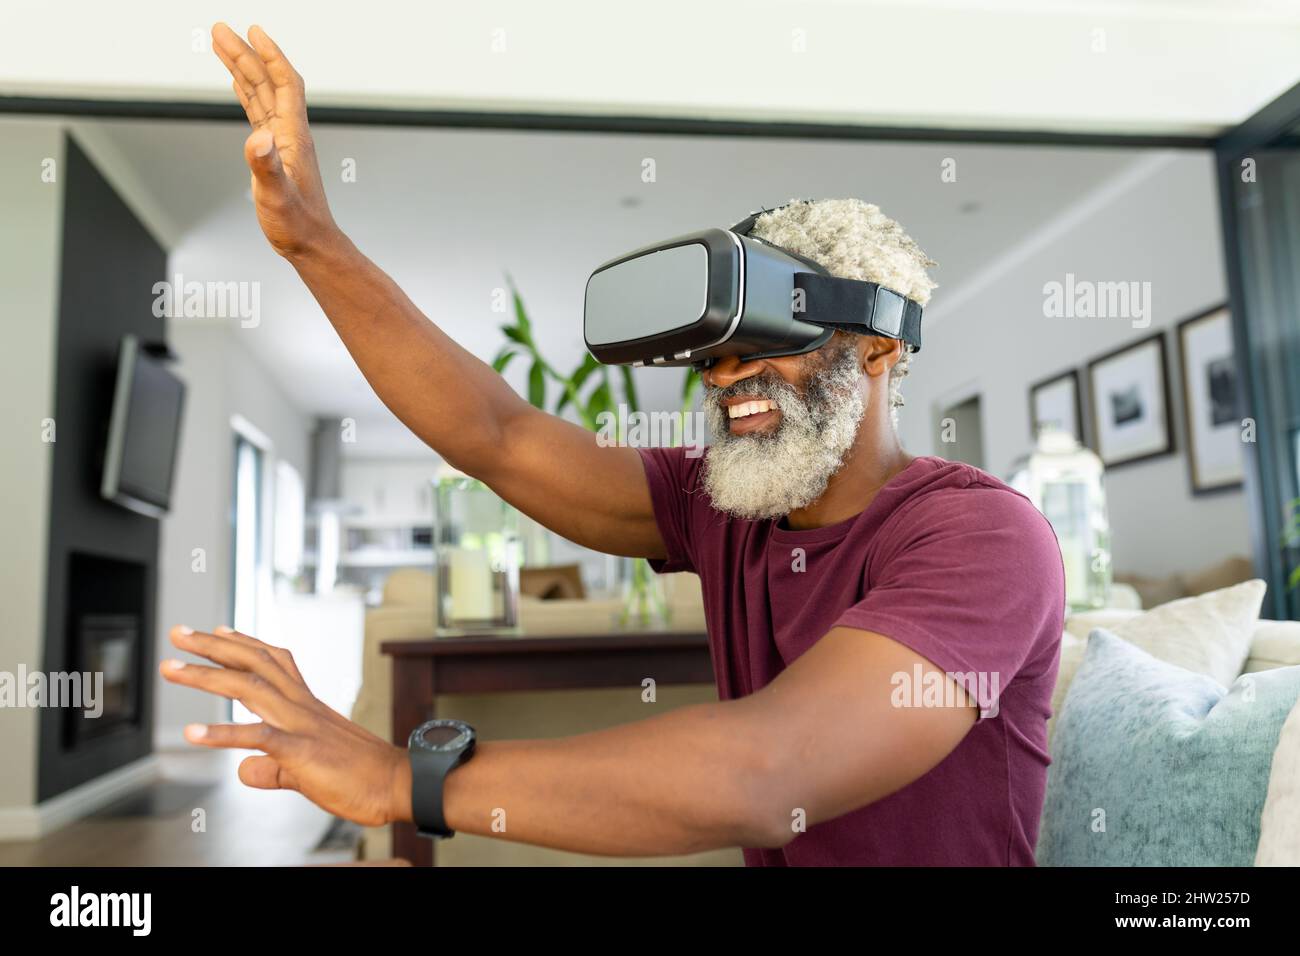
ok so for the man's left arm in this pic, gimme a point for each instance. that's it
(824, 738)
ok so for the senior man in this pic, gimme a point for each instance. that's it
(885, 628)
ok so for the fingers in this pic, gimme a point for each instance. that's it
(245, 102)
(243, 90)
(282, 656)
(245, 66)
(290, 94)
(224, 40)
(259, 736)
(265, 773)
(286, 662)
(225, 43)
(267, 84)
(240, 651)
(245, 655)
(278, 67)
(254, 692)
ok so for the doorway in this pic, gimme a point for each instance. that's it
(961, 432)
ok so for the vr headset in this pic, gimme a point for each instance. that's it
(700, 297)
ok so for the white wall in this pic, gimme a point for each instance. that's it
(223, 380)
(29, 277)
(1158, 222)
(30, 267)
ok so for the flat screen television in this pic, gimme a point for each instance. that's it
(143, 433)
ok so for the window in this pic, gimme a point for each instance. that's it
(246, 546)
(290, 504)
(246, 515)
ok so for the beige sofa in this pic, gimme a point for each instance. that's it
(1156, 591)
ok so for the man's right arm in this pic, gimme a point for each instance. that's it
(549, 468)
(552, 470)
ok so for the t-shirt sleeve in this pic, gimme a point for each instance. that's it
(672, 477)
(971, 579)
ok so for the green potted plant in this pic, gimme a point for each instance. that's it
(587, 392)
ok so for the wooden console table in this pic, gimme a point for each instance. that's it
(494, 663)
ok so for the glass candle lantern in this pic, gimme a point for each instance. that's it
(1064, 481)
(476, 551)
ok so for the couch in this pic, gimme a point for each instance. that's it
(1154, 591)
(1156, 706)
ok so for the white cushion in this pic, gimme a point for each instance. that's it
(1085, 622)
(1209, 634)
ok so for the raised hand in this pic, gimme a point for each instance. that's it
(338, 765)
(287, 191)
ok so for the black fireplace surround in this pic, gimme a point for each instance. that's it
(101, 580)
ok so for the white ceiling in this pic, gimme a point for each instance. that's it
(448, 212)
(1177, 66)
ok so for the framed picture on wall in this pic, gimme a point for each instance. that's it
(1128, 397)
(1210, 401)
(1055, 402)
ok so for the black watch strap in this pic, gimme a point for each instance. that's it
(428, 776)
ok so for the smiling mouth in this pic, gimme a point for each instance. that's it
(758, 415)
(746, 409)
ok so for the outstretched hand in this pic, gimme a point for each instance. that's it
(287, 190)
(336, 764)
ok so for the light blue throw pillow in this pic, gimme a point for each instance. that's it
(1155, 765)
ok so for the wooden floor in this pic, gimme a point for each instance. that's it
(155, 828)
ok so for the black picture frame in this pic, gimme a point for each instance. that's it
(1094, 394)
(1198, 487)
(1036, 387)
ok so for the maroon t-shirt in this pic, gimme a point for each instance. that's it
(946, 560)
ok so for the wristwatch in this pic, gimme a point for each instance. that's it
(436, 748)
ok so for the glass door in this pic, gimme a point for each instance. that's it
(247, 535)
(1259, 185)
(246, 547)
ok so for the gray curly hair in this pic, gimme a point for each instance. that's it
(854, 240)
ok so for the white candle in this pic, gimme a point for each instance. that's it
(471, 584)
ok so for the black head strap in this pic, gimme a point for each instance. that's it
(868, 307)
(876, 310)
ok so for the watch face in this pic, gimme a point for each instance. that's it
(442, 735)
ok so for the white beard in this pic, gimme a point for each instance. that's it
(761, 476)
